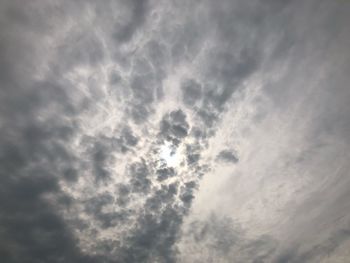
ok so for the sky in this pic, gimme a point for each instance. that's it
(178, 131)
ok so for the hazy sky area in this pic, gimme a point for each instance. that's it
(175, 131)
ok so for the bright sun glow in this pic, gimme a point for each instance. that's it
(169, 154)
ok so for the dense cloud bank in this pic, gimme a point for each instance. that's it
(174, 131)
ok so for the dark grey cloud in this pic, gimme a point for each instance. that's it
(193, 154)
(127, 28)
(192, 92)
(34, 158)
(139, 174)
(142, 88)
(187, 192)
(165, 172)
(174, 127)
(227, 156)
(154, 238)
(95, 205)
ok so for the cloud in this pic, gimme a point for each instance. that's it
(139, 174)
(174, 126)
(317, 252)
(138, 11)
(165, 173)
(34, 159)
(227, 156)
(91, 93)
(217, 239)
(192, 92)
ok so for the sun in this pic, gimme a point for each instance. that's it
(169, 154)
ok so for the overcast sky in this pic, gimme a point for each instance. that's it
(174, 131)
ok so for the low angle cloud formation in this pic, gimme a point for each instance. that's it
(151, 131)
